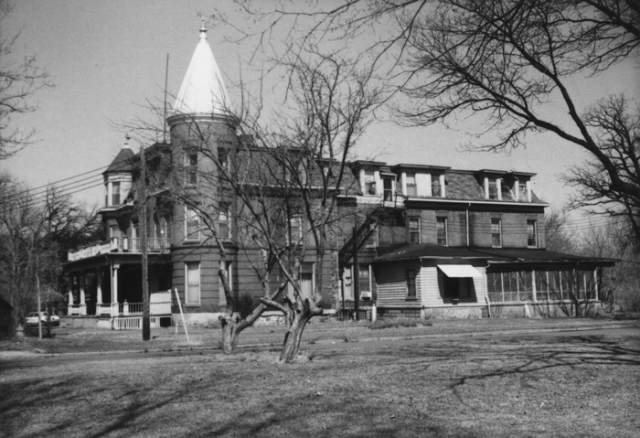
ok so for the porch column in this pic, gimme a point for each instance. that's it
(115, 308)
(443, 186)
(83, 305)
(70, 290)
(499, 187)
(98, 291)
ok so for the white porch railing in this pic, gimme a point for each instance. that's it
(90, 251)
(153, 245)
(119, 245)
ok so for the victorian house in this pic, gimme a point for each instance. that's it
(429, 240)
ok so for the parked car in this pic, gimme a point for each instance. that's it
(34, 319)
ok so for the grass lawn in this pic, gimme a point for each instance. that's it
(80, 340)
(517, 386)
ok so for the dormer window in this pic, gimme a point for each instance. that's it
(387, 189)
(412, 188)
(522, 191)
(369, 182)
(435, 187)
(493, 188)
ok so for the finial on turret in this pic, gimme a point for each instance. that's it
(126, 141)
(203, 29)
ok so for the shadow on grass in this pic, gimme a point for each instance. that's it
(242, 396)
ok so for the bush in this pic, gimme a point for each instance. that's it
(628, 299)
(397, 323)
(245, 305)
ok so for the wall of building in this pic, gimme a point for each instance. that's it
(391, 280)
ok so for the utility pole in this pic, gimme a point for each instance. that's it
(356, 273)
(39, 301)
(146, 322)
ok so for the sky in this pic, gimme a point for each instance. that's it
(106, 60)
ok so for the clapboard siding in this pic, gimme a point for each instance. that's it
(432, 296)
(430, 292)
(391, 280)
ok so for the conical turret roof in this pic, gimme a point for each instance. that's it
(123, 162)
(202, 90)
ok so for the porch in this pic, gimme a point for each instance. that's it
(125, 315)
(104, 281)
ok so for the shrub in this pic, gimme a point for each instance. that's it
(397, 323)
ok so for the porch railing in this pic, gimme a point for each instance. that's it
(153, 245)
(116, 244)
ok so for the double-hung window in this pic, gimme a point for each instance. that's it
(369, 182)
(522, 191)
(414, 230)
(532, 234)
(496, 233)
(192, 282)
(192, 224)
(115, 193)
(412, 188)
(436, 189)
(295, 228)
(493, 188)
(441, 230)
(224, 226)
(387, 186)
(191, 164)
(411, 283)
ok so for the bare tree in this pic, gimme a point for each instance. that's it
(19, 80)
(36, 232)
(237, 201)
(281, 185)
(556, 235)
(333, 102)
(618, 137)
(501, 61)
(619, 286)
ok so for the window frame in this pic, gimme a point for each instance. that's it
(411, 283)
(224, 219)
(415, 219)
(444, 220)
(363, 267)
(492, 187)
(532, 237)
(195, 219)
(387, 193)
(295, 223)
(496, 221)
(191, 166)
(115, 194)
(369, 182)
(412, 187)
(522, 191)
(188, 285)
(436, 187)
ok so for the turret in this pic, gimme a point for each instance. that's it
(118, 177)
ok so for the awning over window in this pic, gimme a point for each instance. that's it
(460, 271)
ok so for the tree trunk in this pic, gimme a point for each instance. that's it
(229, 334)
(293, 337)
